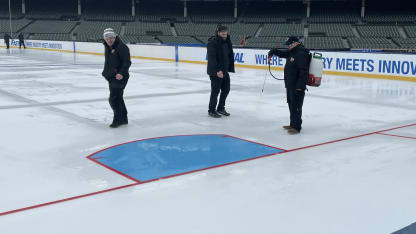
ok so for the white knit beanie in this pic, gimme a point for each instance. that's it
(109, 32)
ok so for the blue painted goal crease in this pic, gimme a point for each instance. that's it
(151, 159)
(411, 229)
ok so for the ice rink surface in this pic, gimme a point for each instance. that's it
(343, 174)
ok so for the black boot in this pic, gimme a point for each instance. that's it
(287, 127)
(214, 114)
(115, 125)
(293, 131)
(223, 112)
(125, 121)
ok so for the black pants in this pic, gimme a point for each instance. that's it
(117, 104)
(22, 43)
(295, 102)
(7, 44)
(217, 85)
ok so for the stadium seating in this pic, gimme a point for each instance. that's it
(371, 43)
(147, 39)
(203, 32)
(138, 39)
(331, 30)
(178, 40)
(378, 31)
(148, 28)
(50, 26)
(411, 31)
(17, 25)
(93, 31)
(389, 18)
(330, 26)
(336, 12)
(131, 39)
(237, 29)
(324, 43)
(48, 16)
(408, 43)
(282, 30)
(265, 42)
(235, 40)
(333, 18)
(52, 37)
(88, 27)
(108, 17)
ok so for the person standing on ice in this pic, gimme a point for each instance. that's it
(220, 63)
(7, 40)
(116, 72)
(21, 41)
(295, 77)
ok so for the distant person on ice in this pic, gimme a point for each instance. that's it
(295, 76)
(21, 41)
(116, 72)
(7, 40)
(220, 63)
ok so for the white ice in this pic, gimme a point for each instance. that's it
(54, 113)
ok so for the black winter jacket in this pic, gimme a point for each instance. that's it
(117, 61)
(297, 66)
(216, 55)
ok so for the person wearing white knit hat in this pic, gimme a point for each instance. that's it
(109, 33)
(116, 72)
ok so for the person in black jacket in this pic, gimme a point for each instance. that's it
(295, 77)
(7, 40)
(116, 72)
(220, 63)
(21, 41)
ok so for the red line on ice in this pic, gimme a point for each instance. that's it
(394, 135)
(143, 182)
